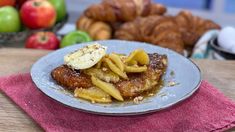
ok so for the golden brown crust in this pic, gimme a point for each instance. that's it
(70, 79)
(123, 10)
(176, 33)
(98, 30)
(157, 9)
(158, 30)
(139, 83)
(193, 27)
(143, 20)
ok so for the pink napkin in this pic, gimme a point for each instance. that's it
(207, 110)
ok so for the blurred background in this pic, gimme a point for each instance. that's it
(220, 11)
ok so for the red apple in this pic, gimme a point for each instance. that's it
(43, 40)
(36, 14)
(7, 3)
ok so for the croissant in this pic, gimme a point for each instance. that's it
(123, 10)
(158, 30)
(98, 30)
(174, 32)
(193, 27)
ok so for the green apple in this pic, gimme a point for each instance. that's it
(74, 38)
(9, 19)
(60, 7)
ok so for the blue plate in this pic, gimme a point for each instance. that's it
(180, 70)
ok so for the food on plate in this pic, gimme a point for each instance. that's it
(109, 77)
(139, 56)
(145, 81)
(85, 57)
(9, 19)
(7, 3)
(93, 94)
(36, 14)
(43, 40)
(70, 78)
(107, 87)
(115, 69)
(60, 7)
(117, 60)
(123, 10)
(98, 30)
(74, 37)
(134, 69)
(158, 30)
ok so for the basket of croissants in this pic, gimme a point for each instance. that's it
(145, 21)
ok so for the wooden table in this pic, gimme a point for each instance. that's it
(219, 73)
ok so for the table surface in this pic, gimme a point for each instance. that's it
(219, 73)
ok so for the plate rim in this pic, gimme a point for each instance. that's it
(186, 96)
